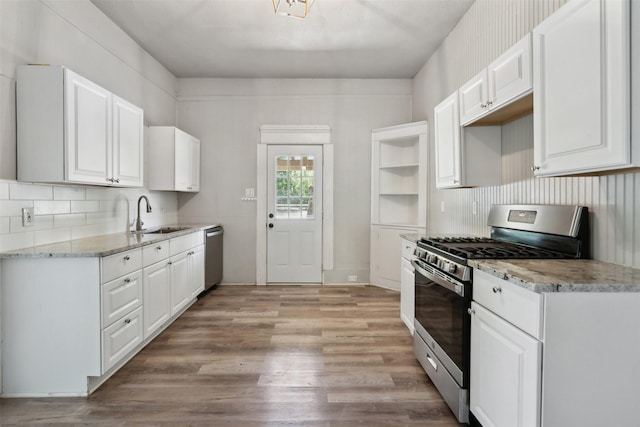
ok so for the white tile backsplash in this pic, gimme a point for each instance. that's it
(69, 193)
(84, 206)
(69, 220)
(16, 241)
(14, 207)
(20, 191)
(40, 222)
(43, 207)
(4, 190)
(45, 237)
(74, 212)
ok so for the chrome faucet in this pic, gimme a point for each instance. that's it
(139, 222)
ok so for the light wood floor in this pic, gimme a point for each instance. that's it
(264, 356)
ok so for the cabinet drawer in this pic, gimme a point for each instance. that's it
(183, 243)
(408, 248)
(120, 264)
(516, 305)
(155, 252)
(120, 338)
(121, 296)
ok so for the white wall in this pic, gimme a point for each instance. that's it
(486, 30)
(75, 34)
(226, 114)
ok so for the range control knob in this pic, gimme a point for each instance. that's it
(432, 259)
(451, 268)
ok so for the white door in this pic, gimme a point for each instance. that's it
(294, 210)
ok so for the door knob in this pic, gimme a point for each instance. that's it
(270, 225)
(270, 215)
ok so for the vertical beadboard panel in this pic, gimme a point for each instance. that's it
(489, 28)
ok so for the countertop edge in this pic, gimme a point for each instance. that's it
(615, 278)
(124, 242)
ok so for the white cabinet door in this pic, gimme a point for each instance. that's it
(581, 89)
(407, 293)
(505, 372)
(473, 97)
(447, 142)
(88, 130)
(196, 271)
(187, 162)
(195, 165)
(128, 143)
(156, 296)
(509, 76)
(121, 338)
(180, 289)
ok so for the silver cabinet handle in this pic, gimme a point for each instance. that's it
(127, 258)
(471, 311)
(116, 180)
(127, 280)
(169, 263)
(489, 103)
(535, 168)
(456, 181)
(127, 321)
(159, 248)
(483, 106)
(497, 289)
(109, 179)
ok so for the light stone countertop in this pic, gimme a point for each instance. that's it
(544, 275)
(99, 246)
(412, 237)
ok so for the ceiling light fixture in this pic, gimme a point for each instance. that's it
(293, 8)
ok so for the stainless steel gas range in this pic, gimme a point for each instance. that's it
(444, 283)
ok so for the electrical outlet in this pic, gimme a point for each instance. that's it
(352, 278)
(249, 192)
(27, 217)
(474, 208)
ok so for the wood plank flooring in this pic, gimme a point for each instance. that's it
(264, 356)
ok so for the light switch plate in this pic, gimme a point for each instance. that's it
(27, 217)
(249, 192)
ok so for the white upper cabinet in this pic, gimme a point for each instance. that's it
(582, 90)
(70, 130)
(502, 82)
(174, 160)
(128, 143)
(465, 157)
(446, 122)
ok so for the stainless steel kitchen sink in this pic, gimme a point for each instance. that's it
(161, 230)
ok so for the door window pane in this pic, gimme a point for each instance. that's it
(294, 187)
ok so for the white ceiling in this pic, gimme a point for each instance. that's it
(244, 38)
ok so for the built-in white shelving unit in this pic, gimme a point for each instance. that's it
(398, 195)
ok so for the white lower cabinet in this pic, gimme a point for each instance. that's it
(407, 285)
(70, 322)
(121, 338)
(180, 293)
(553, 359)
(157, 294)
(505, 372)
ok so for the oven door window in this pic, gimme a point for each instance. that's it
(441, 312)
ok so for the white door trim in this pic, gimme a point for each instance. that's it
(294, 135)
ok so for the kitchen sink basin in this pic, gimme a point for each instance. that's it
(162, 230)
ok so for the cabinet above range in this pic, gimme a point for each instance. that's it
(71, 130)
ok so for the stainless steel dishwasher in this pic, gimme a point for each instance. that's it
(213, 257)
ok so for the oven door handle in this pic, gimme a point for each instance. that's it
(456, 288)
